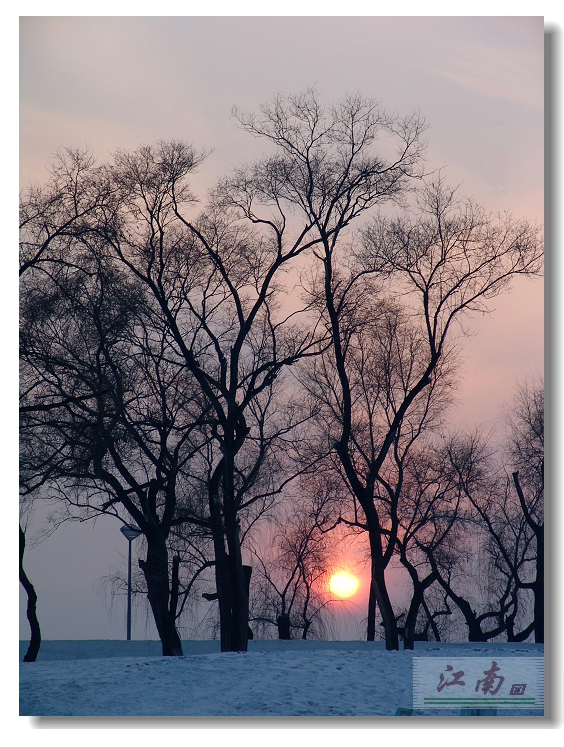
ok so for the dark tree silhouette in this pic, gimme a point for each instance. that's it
(157, 341)
(383, 355)
(429, 517)
(447, 260)
(126, 424)
(152, 352)
(492, 531)
(326, 168)
(292, 564)
(35, 642)
(526, 448)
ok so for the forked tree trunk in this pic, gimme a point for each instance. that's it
(417, 599)
(35, 641)
(155, 570)
(232, 581)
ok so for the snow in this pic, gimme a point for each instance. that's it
(274, 678)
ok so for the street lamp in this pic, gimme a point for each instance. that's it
(130, 532)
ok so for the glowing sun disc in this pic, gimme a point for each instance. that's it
(343, 584)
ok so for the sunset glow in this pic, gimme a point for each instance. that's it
(343, 584)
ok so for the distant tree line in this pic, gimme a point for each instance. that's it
(282, 356)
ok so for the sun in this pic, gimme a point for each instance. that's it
(343, 584)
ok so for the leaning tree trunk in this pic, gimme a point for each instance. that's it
(155, 570)
(431, 619)
(475, 633)
(35, 641)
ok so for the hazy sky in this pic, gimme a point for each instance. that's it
(120, 82)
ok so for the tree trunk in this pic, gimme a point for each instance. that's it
(417, 599)
(174, 587)
(248, 570)
(223, 586)
(411, 619)
(538, 588)
(155, 569)
(381, 592)
(283, 622)
(538, 585)
(239, 633)
(232, 593)
(222, 576)
(474, 628)
(475, 633)
(431, 620)
(371, 626)
(232, 588)
(387, 613)
(35, 641)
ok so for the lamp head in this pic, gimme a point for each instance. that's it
(130, 531)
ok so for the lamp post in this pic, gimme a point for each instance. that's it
(130, 532)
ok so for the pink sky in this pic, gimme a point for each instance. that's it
(118, 82)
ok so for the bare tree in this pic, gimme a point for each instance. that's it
(35, 642)
(157, 341)
(514, 519)
(292, 564)
(383, 351)
(500, 546)
(52, 216)
(127, 420)
(526, 448)
(178, 318)
(449, 260)
(327, 171)
(463, 529)
(430, 520)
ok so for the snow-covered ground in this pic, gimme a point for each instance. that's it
(274, 678)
